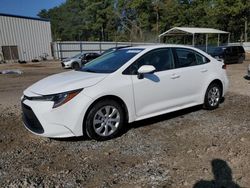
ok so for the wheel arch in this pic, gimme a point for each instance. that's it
(216, 81)
(219, 82)
(75, 62)
(109, 97)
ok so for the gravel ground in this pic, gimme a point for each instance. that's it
(188, 148)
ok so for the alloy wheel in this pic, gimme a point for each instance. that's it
(106, 121)
(214, 96)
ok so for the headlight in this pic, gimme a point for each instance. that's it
(58, 99)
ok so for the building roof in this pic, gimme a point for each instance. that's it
(191, 31)
(24, 17)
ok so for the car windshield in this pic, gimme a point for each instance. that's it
(110, 62)
(77, 55)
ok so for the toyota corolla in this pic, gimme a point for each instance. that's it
(123, 86)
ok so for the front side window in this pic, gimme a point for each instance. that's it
(161, 59)
(110, 62)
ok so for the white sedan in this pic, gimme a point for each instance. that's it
(120, 87)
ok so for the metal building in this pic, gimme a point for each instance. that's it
(24, 38)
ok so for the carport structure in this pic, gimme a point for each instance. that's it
(181, 31)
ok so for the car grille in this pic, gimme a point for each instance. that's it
(30, 120)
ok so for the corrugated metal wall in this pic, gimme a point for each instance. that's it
(31, 36)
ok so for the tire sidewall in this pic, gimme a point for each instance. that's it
(75, 66)
(206, 102)
(89, 128)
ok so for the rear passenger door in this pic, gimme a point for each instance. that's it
(192, 70)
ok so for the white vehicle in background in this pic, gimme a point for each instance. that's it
(78, 60)
(123, 86)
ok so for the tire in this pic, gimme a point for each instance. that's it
(105, 120)
(212, 96)
(240, 60)
(75, 66)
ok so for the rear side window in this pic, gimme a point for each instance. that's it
(187, 57)
(234, 49)
(241, 49)
(201, 59)
(91, 56)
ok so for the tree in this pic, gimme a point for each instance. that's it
(143, 20)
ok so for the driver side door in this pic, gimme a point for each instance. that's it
(155, 92)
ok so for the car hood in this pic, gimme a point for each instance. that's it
(71, 59)
(63, 82)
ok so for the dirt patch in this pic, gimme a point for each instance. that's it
(188, 148)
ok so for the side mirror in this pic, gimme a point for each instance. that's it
(145, 69)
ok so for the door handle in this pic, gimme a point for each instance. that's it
(204, 70)
(174, 76)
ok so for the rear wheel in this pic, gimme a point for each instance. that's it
(213, 96)
(105, 120)
(75, 66)
(240, 60)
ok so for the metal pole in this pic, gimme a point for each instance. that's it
(206, 41)
(193, 40)
(218, 44)
(60, 48)
(100, 47)
(81, 46)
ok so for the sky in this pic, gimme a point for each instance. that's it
(27, 7)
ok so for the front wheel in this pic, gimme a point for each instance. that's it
(75, 66)
(105, 120)
(213, 96)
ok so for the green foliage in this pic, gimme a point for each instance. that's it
(143, 20)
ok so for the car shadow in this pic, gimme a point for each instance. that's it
(138, 124)
(222, 176)
(143, 123)
(72, 139)
(164, 117)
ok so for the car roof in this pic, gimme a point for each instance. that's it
(155, 46)
(229, 46)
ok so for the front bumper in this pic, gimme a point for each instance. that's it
(42, 119)
(66, 65)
